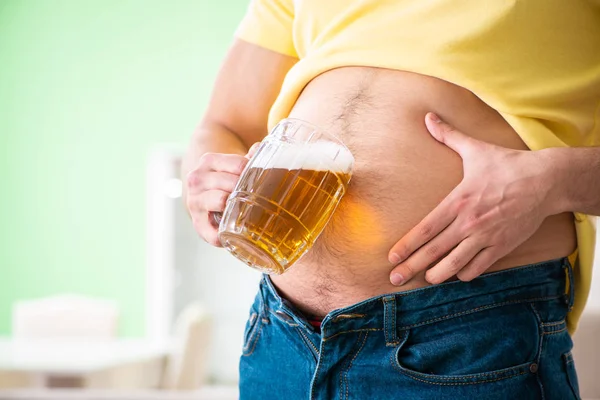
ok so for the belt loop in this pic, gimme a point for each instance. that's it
(389, 324)
(265, 290)
(571, 284)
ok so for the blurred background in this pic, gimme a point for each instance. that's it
(103, 283)
(97, 102)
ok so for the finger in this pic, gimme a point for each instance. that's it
(452, 263)
(436, 221)
(451, 137)
(232, 163)
(253, 150)
(205, 229)
(201, 180)
(218, 181)
(212, 200)
(479, 264)
(430, 252)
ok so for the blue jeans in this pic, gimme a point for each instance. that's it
(500, 336)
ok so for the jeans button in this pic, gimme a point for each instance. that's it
(533, 368)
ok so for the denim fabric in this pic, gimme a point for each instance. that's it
(500, 336)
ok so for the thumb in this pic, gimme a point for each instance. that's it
(444, 133)
(252, 150)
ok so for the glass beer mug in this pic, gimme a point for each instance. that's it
(285, 196)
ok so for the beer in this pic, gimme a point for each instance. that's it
(283, 200)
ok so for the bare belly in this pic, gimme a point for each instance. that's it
(401, 174)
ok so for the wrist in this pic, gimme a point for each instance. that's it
(557, 179)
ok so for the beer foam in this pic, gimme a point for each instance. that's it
(316, 156)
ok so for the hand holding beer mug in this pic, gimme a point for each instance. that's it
(285, 196)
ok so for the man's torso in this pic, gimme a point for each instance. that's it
(401, 174)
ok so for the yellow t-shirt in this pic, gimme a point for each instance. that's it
(536, 62)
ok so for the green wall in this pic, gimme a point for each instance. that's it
(85, 88)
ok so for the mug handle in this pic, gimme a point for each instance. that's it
(216, 218)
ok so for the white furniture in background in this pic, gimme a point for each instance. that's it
(37, 322)
(11, 380)
(117, 363)
(186, 367)
(65, 316)
(206, 393)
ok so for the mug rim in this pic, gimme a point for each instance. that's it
(317, 128)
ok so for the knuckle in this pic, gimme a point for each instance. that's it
(473, 218)
(409, 269)
(212, 181)
(193, 179)
(461, 203)
(473, 221)
(432, 250)
(426, 230)
(454, 263)
(450, 131)
(206, 160)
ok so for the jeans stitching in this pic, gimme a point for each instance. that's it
(463, 383)
(458, 377)
(415, 375)
(390, 321)
(568, 361)
(569, 356)
(481, 308)
(571, 288)
(350, 364)
(441, 286)
(543, 264)
(309, 341)
(254, 341)
(554, 332)
(553, 323)
(316, 375)
(540, 347)
(386, 318)
(353, 330)
(348, 316)
(253, 321)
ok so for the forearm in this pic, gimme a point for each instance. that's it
(575, 176)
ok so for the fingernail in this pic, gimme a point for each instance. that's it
(394, 258)
(396, 279)
(434, 118)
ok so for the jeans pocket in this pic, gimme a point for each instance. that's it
(571, 373)
(484, 345)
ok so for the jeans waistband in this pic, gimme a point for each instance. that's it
(404, 310)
